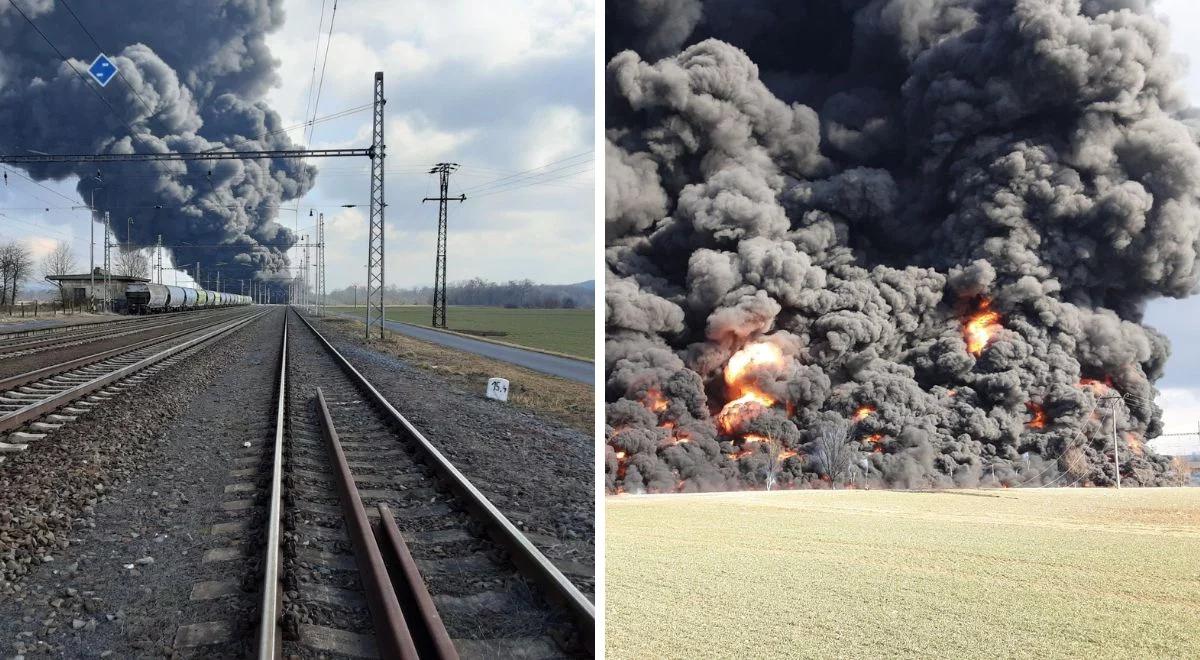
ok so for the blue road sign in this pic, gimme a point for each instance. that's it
(102, 69)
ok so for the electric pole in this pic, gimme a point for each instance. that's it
(158, 259)
(439, 267)
(321, 264)
(1116, 444)
(375, 279)
(107, 263)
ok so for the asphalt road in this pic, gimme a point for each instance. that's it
(576, 370)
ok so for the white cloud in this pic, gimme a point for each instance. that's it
(40, 246)
(556, 132)
(413, 138)
(491, 35)
(1181, 412)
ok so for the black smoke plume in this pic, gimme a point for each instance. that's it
(932, 225)
(195, 75)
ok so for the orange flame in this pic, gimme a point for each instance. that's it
(620, 456)
(981, 327)
(656, 401)
(863, 412)
(752, 355)
(1097, 386)
(736, 372)
(1038, 421)
(1136, 445)
(739, 409)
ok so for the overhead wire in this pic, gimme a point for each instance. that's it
(101, 49)
(527, 173)
(528, 184)
(324, 63)
(312, 77)
(132, 133)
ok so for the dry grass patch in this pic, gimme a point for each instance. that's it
(564, 400)
(955, 574)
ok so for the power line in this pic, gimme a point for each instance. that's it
(36, 183)
(303, 124)
(132, 133)
(99, 48)
(526, 173)
(324, 63)
(529, 183)
(312, 77)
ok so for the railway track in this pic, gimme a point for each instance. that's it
(14, 335)
(12, 349)
(376, 546)
(38, 402)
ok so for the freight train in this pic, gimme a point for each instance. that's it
(150, 298)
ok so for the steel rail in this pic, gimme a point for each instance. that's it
(391, 628)
(19, 417)
(55, 369)
(269, 633)
(424, 622)
(528, 559)
(38, 345)
(65, 329)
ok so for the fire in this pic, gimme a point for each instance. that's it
(863, 412)
(743, 452)
(1038, 421)
(751, 356)
(656, 401)
(733, 412)
(1136, 445)
(620, 456)
(981, 327)
(736, 372)
(1097, 387)
(874, 438)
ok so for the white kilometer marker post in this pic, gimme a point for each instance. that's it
(497, 388)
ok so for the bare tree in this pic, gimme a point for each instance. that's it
(133, 263)
(60, 261)
(775, 460)
(16, 263)
(1074, 463)
(834, 453)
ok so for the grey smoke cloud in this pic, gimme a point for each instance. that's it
(851, 181)
(197, 73)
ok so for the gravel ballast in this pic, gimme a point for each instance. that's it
(103, 524)
(539, 473)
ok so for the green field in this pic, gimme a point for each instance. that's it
(868, 574)
(569, 331)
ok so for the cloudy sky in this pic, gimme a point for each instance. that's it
(1180, 387)
(501, 87)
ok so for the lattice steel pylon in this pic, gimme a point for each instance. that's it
(321, 264)
(107, 266)
(158, 260)
(375, 308)
(439, 267)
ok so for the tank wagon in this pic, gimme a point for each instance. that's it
(145, 298)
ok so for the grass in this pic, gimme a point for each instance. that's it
(566, 401)
(569, 331)
(954, 574)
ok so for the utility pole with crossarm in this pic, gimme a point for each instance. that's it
(439, 267)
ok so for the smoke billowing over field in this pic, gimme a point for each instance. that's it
(932, 226)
